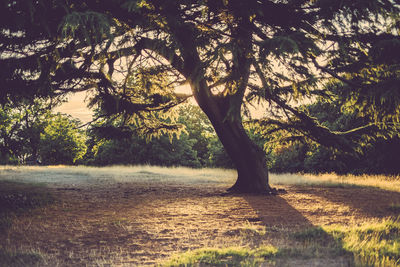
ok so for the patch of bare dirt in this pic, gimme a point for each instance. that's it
(130, 224)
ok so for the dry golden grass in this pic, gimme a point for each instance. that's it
(391, 183)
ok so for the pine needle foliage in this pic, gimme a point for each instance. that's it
(232, 54)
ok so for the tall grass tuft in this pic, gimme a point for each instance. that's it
(233, 256)
(374, 244)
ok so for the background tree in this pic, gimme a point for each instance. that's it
(136, 151)
(9, 142)
(21, 126)
(199, 129)
(228, 51)
(376, 153)
(190, 149)
(61, 141)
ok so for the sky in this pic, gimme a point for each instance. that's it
(77, 107)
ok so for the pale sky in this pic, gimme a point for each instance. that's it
(77, 107)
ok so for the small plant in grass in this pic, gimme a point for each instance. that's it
(317, 243)
(13, 258)
(395, 207)
(223, 257)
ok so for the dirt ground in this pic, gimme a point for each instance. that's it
(135, 224)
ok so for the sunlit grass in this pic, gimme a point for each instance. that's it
(110, 174)
(391, 183)
(372, 244)
(232, 256)
(375, 244)
(145, 173)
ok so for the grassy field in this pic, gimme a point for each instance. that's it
(143, 215)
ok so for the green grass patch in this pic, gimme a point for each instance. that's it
(373, 244)
(370, 245)
(316, 242)
(233, 256)
(10, 258)
(312, 234)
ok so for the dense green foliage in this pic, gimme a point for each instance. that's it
(61, 142)
(31, 134)
(136, 150)
(374, 153)
(197, 145)
(20, 130)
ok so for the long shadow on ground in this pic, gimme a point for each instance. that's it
(367, 201)
(301, 242)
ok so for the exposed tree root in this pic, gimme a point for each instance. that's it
(268, 191)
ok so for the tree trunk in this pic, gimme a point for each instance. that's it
(248, 158)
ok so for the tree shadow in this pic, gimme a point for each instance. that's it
(370, 201)
(276, 211)
(300, 241)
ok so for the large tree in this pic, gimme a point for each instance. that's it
(61, 141)
(229, 51)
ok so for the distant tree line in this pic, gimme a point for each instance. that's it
(195, 146)
(32, 134)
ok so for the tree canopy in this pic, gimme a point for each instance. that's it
(132, 53)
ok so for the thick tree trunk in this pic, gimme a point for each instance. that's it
(248, 158)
